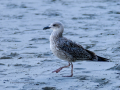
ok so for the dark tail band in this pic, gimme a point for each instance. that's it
(102, 59)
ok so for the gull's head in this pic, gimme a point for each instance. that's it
(56, 26)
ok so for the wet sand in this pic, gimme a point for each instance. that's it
(26, 62)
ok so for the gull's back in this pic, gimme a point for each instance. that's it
(73, 49)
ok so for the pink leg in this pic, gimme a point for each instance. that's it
(59, 69)
(71, 71)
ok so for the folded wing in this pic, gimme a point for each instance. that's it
(74, 49)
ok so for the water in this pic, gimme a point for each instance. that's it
(26, 62)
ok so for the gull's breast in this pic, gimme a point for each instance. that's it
(54, 46)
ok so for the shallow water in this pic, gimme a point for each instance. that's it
(26, 62)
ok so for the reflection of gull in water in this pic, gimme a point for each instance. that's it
(68, 50)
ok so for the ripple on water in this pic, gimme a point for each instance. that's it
(101, 82)
(23, 65)
(115, 50)
(2, 64)
(40, 40)
(9, 56)
(52, 13)
(49, 88)
(13, 6)
(10, 40)
(83, 77)
(116, 67)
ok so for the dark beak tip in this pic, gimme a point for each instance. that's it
(46, 28)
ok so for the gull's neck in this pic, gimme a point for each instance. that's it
(54, 38)
(57, 34)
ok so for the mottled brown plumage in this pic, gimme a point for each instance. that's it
(68, 50)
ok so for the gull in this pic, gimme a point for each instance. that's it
(68, 50)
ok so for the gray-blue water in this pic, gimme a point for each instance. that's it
(26, 62)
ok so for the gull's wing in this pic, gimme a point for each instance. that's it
(74, 49)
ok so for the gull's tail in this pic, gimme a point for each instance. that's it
(97, 58)
(102, 58)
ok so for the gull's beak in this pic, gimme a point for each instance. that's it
(46, 28)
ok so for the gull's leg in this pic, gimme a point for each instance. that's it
(59, 69)
(71, 71)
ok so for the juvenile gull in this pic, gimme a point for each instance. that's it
(68, 50)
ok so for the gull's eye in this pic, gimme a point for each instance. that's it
(54, 25)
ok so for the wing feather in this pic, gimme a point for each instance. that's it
(74, 49)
